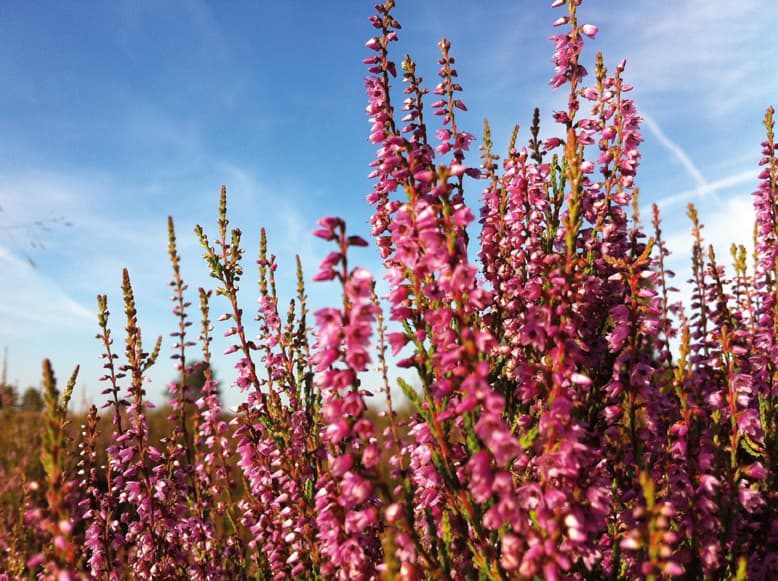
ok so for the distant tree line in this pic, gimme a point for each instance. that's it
(31, 400)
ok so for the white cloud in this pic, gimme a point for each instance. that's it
(732, 222)
(41, 301)
(707, 189)
(51, 311)
(681, 46)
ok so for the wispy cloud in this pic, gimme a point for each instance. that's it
(703, 187)
(135, 18)
(707, 189)
(39, 318)
(674, 149)
(43, 300)
(680, 46)
(57, 300)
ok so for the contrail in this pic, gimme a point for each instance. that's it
(708, 188)
(676, 150)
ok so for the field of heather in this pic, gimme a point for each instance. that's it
(567, 415)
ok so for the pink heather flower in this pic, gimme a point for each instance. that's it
(756, 471)
(580, 379)
(396, 340)
(337, 431)
(510, 554)
(481, 476)
(589, 30)
(341, 465)
(330, 222)
(751, 499)
(672, 568)
(463, 140)
(394, 512)
(356, 241)
(355, 490)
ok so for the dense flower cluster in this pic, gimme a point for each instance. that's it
(568, 418)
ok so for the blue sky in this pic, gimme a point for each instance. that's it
(115, 115)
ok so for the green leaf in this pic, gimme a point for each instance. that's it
(527, 439)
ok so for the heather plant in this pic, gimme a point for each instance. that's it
(570, 418)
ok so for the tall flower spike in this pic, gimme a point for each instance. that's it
(346, 499)
(390, 167)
